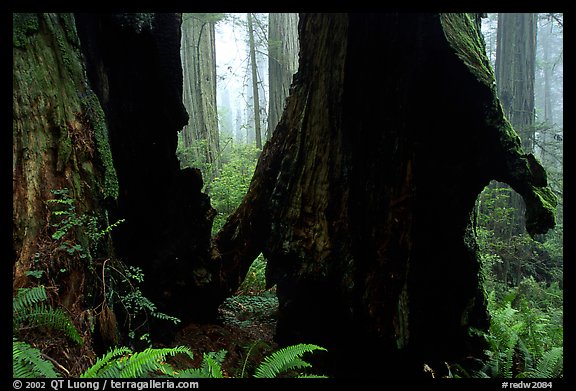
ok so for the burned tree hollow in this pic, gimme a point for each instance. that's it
(363, 200)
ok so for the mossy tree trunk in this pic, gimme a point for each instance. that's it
(60, 138)
(363, 199)
(60, 141)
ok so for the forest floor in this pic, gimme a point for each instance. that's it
(246, 333)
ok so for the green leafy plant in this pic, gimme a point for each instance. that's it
(210, 368)
(126, 281)
(121, 362)
(27, 362)
(550, 365)
(286, 359)
(229, 188)
(28, 310)
(243, 310)
(525, 340)
(77, 234)
(255, 281)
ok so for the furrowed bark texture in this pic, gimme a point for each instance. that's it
(363, 199)
(59, 137)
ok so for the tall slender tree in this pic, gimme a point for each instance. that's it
(282, 62)
(515, 71)
(255, 81)
(515, 74)
(199, 66)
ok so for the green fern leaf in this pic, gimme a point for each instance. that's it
(123, 363)
(151, 360)
(27, 362)
(285, 359)
(107, 366)
(56, 319)
(550, 365)
(27, 297)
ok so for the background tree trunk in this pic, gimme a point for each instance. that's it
(515, 73)
(282, 62)
(199, 66)
(254, 70)
(363, 199)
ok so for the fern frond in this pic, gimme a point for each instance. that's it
(27, 362)
(27, 297)
(123, 363)
(285, 359)
(211, 367)
(550, 365)
(150, 360)
(56, 319)
(107, 365)
(212, 364)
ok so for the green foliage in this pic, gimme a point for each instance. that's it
(526, 332)
(523, 277)
(211, 367)
(121, 362)
(23, 26)
(226, 187)
(284, 360)
(126, 292)
(255, 281)
(77, 234)
(550, 365)
(27, 309)
(27, 362)
(243, 310)
(229, 188)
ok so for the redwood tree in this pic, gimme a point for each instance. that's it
(363, 199)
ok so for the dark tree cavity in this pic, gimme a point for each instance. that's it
(133, 63)
(363, 200)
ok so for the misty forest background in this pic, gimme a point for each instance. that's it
(237, 71)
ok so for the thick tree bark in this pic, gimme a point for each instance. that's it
(363, 199)
(60, 141)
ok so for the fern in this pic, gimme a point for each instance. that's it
(285, 359)
(211, 367)
(27, 297)
(550, 365)
(107, 366)
(27, 309)
(56, 319)
(123, 363)
(27, 362)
